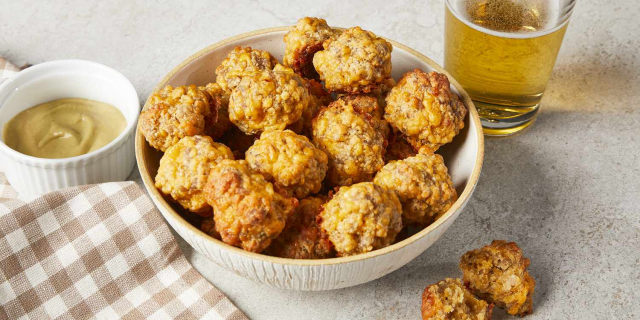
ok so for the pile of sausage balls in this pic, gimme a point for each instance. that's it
(321, 156)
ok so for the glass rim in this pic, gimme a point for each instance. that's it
(562, 21)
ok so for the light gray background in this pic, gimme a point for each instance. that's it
(567, 190)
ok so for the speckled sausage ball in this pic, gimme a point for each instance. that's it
(302, 237)
(356, 62)
(290, 161)
(248, 213)
(184, 169)
(219, 100)
(352, 135)
(240, 62)
(423, 186)
(450, 300)
(303, 41)
(425, 110)
(269, 100)
(175, 113)
(498, 273)
(362, 218)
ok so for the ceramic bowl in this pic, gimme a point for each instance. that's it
(55, 80)
(463, 157)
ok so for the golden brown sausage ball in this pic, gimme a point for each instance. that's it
(175, 113)
(290, 161)
(362, 218)
(302, 237)
(357, 61)
(423, 186)
(450, 300)
(184, 169)
(303, 41)
(498, 273)
(269, 100)
(424, 109)
(240, 62)
(352, 135)
(219, 100)
(248, 213)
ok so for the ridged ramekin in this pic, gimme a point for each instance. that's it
(68, 79)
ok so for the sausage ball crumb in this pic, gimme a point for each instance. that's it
(290, 161)
(241, 62)
(219, 100)
(498, 273)
(357, 61)
(184, 169)
(303, 41)
(248, 213)
(302, 237)
(269, 100)
(175, 113)
(353, 136)
(423, 186)
(362, 218)
(450, 300)
(424, 109)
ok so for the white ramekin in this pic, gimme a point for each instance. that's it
(68, 79)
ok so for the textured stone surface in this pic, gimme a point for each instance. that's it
(566, 190)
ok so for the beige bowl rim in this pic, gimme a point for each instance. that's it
(462, 199)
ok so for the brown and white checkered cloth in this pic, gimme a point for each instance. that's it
(6, 69)
(98, 251)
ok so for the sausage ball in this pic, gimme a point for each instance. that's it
(303, 41)
(241, 62)
(424, 109)
(219, 100)
(357, 61)
(269, 100)
(302, 237)
(362, 218)
(184, 169)
(450, 300)
(423, 186)
(248, 213)
(498, 273)
(175, 113)
(353, 136)
(290, 161)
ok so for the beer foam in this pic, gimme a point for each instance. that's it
(513, 18)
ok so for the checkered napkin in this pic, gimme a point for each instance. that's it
(6, 69)
(99, 251)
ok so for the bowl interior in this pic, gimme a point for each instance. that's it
(463, 156)
(68, 79)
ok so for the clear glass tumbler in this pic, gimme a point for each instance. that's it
(503, 52)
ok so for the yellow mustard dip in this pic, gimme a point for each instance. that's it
(64, 128)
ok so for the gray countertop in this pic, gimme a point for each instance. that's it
(567, 190)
